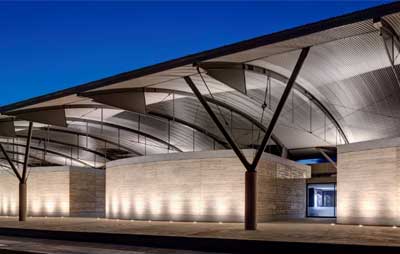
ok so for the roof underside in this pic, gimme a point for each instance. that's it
(347, 91)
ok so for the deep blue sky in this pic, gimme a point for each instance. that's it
(45, 47)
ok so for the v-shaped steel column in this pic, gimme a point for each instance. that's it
(251, 175)
(22, 178)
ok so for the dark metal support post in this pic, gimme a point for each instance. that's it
(22, 184)
(275, 117)
(22, 202)
(250, 200)
(251, 173)
(22, 178)
(250, 177)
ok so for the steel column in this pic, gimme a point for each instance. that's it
(250, 200)
(22, 179)
(22, 185)
(251, 174)
(22, 201)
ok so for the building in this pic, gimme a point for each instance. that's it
(273, 102)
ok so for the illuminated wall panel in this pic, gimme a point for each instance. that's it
(368, 183)
(202, 186)
(56, 191)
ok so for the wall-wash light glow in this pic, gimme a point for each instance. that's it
(175, 205)
(187, 189)
(367, 184)
(50, 199)
(176, 190)
(49, 192)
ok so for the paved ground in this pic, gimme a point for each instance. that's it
(317, 231)
(21, 245)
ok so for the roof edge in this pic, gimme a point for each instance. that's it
(303, 30)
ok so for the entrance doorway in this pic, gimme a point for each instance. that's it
(321, 200)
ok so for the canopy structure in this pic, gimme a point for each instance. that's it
(346, 91)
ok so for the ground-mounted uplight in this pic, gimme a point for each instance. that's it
(171, 221)
(194, 222)
(132, 220)
(360, 226)
(149, 221)
(333, 224)
(394, 226)
(220, 222)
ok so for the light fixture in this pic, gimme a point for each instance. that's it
(394, 226)
(360, 226)
(333, 224)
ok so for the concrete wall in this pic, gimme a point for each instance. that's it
(87, 192)
(368, 183)
(281, 187)
(56, 191)
(202, 186)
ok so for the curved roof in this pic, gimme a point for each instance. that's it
(347, 91)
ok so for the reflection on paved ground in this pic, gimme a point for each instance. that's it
(316, 231)
(64, 247)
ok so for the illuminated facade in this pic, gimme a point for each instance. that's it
(296, 94)
(56, 191)
(368, 183)
(203, 186)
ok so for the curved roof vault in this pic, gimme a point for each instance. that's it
(347, 91)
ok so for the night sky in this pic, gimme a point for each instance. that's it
(48, 46)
